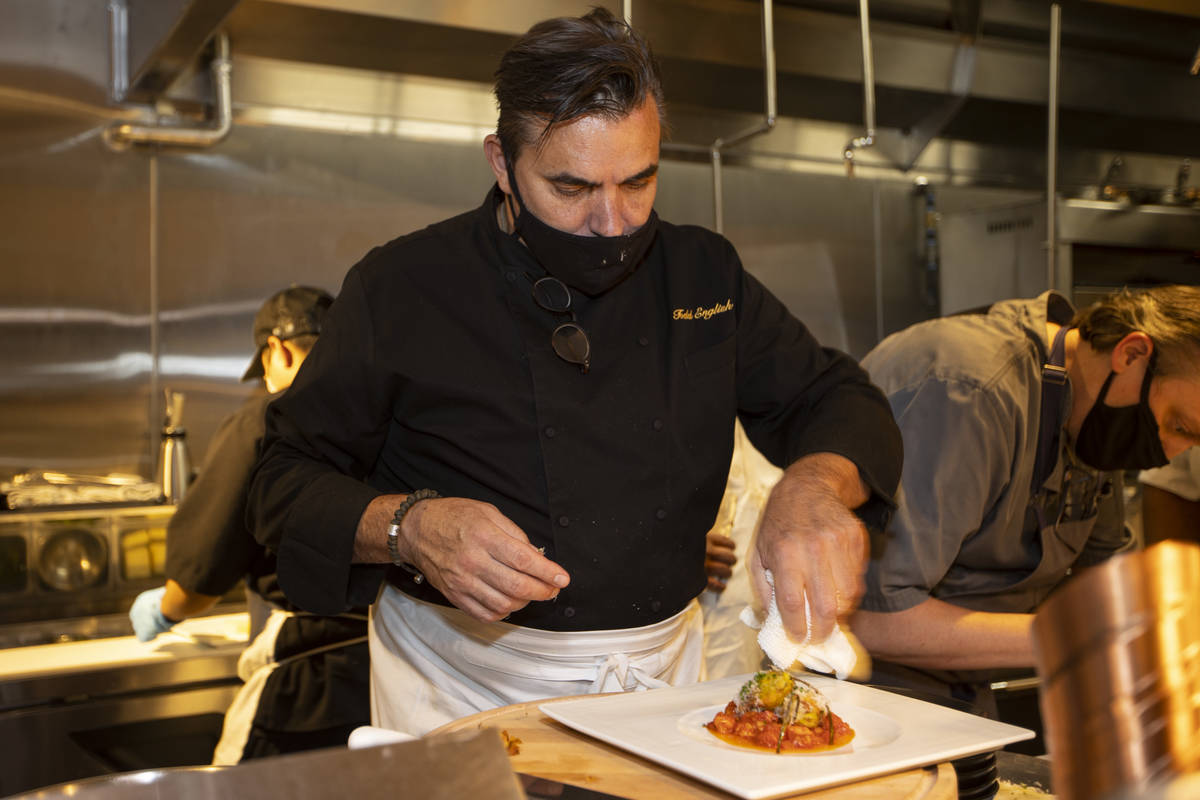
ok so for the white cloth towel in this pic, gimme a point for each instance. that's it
(835, 654)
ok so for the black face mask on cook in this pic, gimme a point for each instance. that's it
(1121, 438)
(590, 264)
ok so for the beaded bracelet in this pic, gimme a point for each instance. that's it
(393, 531)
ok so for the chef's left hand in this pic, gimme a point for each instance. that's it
(719, 560)
(812, 542)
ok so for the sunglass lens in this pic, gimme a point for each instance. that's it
(552, 294)
(572, 345)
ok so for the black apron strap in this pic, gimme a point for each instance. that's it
(1054, 393)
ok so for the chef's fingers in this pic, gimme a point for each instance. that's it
(721, 549)
(522, 571)
(479, 559)
(827, 565)
(717, 569)
(480, 583)
(758, 580)
(721, 541)
(798, 570)
(522, 556)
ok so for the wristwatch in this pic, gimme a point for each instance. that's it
(393, 531)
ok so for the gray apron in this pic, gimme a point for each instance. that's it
(1063, 509)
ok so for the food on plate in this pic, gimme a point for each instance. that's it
(779, 712)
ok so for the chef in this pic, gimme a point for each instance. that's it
(520, 419)
(305, 676)
(1017, 425)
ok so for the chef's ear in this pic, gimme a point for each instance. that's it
(494, 153)
(1135, 347)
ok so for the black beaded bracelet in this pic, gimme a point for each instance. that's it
(393, 531)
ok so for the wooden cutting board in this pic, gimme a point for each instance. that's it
(548, 749)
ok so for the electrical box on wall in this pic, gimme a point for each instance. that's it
(990, 255)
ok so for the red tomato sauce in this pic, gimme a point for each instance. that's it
(759, 730)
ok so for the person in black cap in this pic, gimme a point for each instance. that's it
(293, 698)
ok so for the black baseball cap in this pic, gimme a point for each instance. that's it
(296, 311)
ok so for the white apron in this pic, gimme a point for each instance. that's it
(433, 664)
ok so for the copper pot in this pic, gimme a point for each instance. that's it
(1118, 652)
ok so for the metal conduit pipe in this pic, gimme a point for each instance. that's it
(868, 58)
(768, 123)
(126, 133)
(1052, 150)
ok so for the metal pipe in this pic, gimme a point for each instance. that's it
(867, 140)
(1052, 150)
(118, 45)
(768, 123)
(126, 133)
(155, 411)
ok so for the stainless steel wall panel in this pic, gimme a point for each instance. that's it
(811, 240)
(275, 206)
(75, 304)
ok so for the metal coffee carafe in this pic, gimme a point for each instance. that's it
(174, 471)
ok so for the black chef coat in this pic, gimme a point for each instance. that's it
(435, 370)
(311, 700)
(209, 548)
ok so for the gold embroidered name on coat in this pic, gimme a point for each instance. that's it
(700, 312)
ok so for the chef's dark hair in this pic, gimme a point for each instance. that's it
(570, 67)
(1169, 315)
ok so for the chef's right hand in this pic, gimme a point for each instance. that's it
(147, 616)
(477, 557)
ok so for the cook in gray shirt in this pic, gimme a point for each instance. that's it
(977, 542)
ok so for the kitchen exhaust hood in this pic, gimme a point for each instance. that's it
(1125, 70)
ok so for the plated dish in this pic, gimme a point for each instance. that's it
(777, 712)
(891, 733)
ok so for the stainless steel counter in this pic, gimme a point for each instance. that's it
(78, 709)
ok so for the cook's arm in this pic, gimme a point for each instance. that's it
(178, 603)
(938, 635)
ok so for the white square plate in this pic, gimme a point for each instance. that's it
(892, 733)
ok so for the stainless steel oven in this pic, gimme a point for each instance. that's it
(79, 696)
(61, 571)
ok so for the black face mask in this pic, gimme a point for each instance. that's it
(1121, 438)
(590, 264)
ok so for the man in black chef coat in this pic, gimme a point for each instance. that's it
(293, 698)
(519, 420)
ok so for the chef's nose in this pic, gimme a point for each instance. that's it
(608, 213)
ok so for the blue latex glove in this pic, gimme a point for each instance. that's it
(147, 616)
